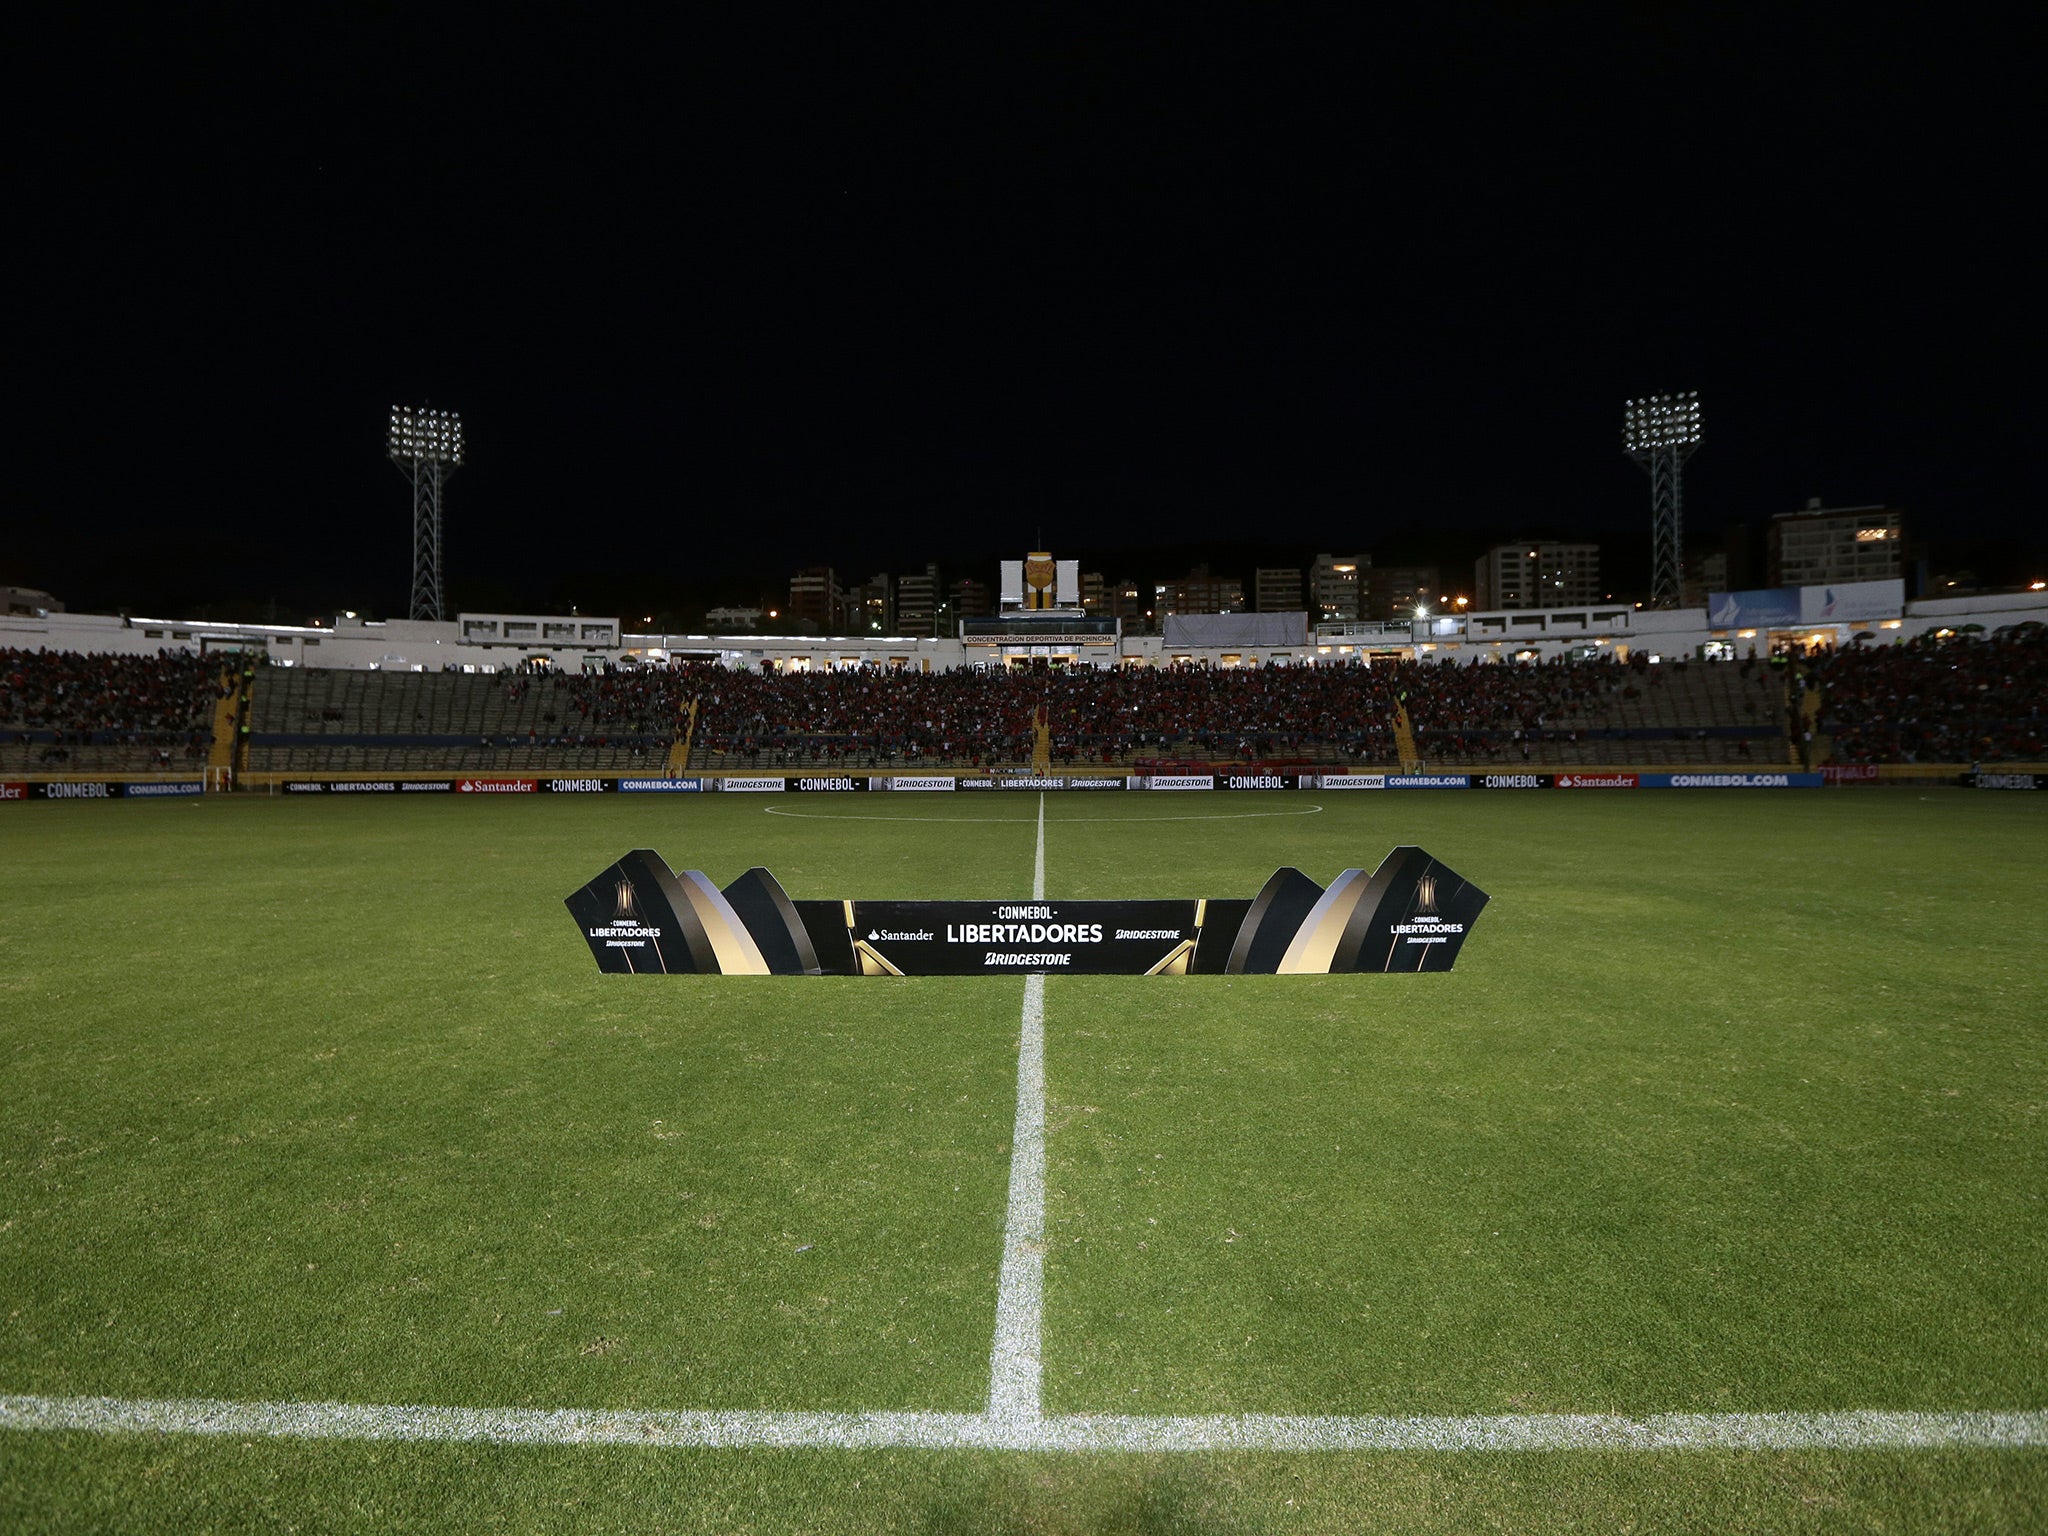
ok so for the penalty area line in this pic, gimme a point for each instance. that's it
(1856, 1431)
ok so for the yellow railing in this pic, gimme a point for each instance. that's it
(1404, 739)
(679, 749)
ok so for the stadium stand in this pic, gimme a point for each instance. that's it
(66, 712)
(873, 719)
(1959, 699)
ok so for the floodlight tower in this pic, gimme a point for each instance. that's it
(1660, 432)
(426, 445)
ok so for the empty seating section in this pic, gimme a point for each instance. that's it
(310, 720)
(1592, 713)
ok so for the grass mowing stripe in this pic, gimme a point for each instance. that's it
(1015, 1362)
(1860, 1431)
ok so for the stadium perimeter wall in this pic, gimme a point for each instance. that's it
(355, 643)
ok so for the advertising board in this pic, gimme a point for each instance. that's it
(1410, 914)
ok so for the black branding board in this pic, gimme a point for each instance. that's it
(1255, 780)
(1410, 914)
(629, 920)
(1413, 915)
(1512, 780)
(1992, 778)
(984, 938)
(831, 940)
(771, 917)
(1276, 915)
(828, 784)
(75, 789)
(1220, 923)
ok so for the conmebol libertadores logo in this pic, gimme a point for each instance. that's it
(1410, 914)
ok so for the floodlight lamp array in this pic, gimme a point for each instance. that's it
(426, 434)
(1662, 421)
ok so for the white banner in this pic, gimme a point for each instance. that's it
(754, 786)
(1352, 781)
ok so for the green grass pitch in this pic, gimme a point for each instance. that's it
(1735, 1102)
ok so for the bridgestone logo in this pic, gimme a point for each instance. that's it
(753, 786)
(921, 784)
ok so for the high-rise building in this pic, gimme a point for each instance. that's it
(1836, 544)
(1199, 592)
(1095, 593)
(1131, 603)
(1336, 587)
(1392, 591)
(871, 606)
(919, 596)
(1277, 589)
(971, 599)
(1538, 573)
(815, 600)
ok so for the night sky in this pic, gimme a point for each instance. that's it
(737, 295)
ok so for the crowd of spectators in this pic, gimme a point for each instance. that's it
(1955, 699)
(983, 716)
(53, 701)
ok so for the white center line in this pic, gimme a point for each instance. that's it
(1014, 1365)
